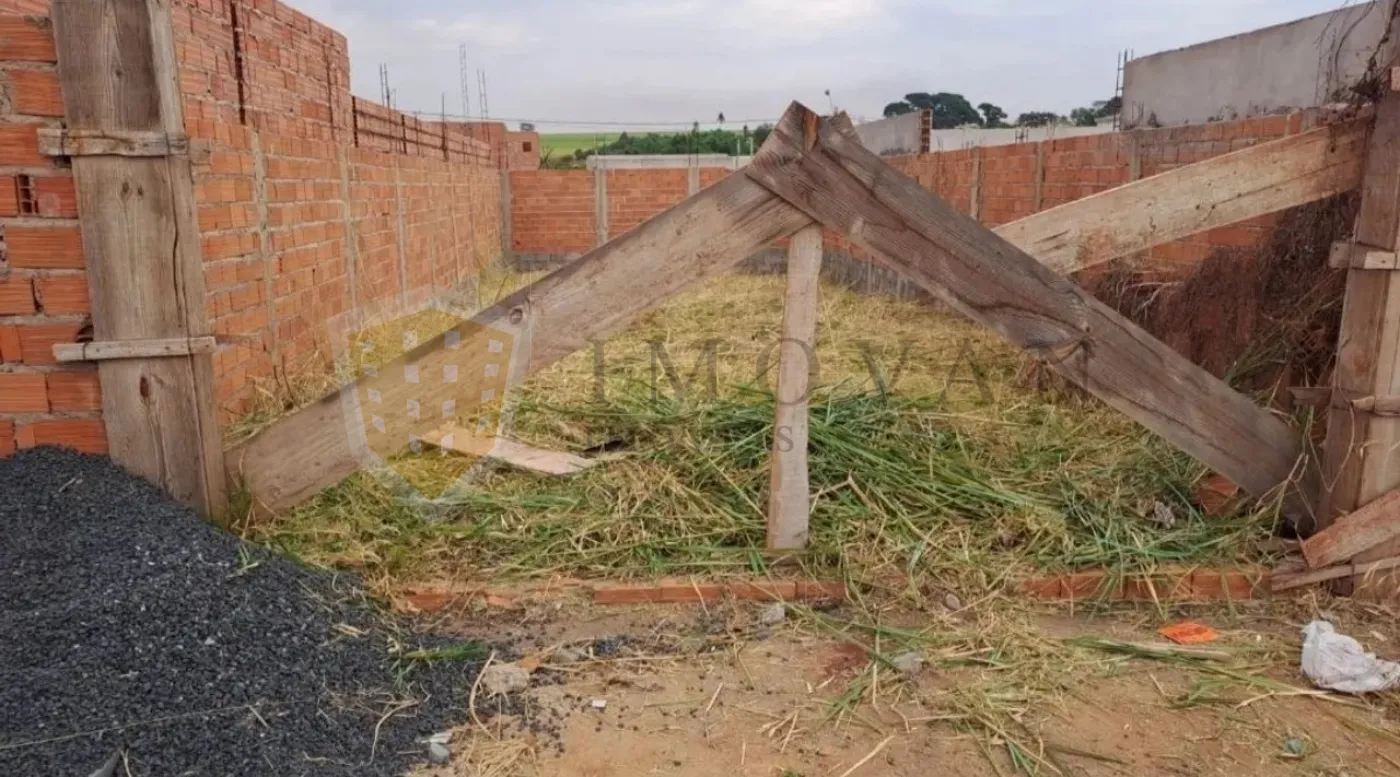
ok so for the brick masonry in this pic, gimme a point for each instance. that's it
(553, 211)
(43, 285)
(314, 203)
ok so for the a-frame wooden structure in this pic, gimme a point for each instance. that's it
(812, 172)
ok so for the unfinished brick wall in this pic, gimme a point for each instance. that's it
(553, 210)
(313, 203)
(43, 286)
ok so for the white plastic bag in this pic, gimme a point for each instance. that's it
(1337, 662)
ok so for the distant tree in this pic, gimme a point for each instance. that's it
(1084, 117)
(1036, 119)
(949, 109)
(992, 116)
(760, 134)
(1109, 107)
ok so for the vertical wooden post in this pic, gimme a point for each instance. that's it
(118, 74)
(788, 498)
(1361, 458)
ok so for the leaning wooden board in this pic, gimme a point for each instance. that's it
(598, 294)
(967, 266)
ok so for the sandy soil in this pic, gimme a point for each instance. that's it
(693, 692)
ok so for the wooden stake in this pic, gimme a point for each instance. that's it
(788, 498)
(119, 78)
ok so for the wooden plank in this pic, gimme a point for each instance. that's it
(516, 454)
(99, 142)
(1355, 533)
(789, 495)
(140, 239)
(1179, 203)
(133, 349)
(1361, 456)
(1347, 255)
(1286, 581)
(980, 274)
(599, 293)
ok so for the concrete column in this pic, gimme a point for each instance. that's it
(265, 253)
(974, 208)
(401, 231)
(600, 202)
(352, 244)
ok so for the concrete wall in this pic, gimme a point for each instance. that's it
(953, 139)
(664, 161)
(1301, 64)
(907, 134)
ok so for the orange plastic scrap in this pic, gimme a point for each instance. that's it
(1189, 633)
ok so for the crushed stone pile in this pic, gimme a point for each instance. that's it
(131, 629)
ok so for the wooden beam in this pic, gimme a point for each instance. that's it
(848, 189)
(600, 293)
(516, 454)
(1347, 255)
(133, 349)
(1286, 581)
(789, 496)
(1361, 458)
(119, 79)
(1355, 533)
(1179, 203)
(98, 142)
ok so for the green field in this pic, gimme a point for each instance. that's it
(566, 143)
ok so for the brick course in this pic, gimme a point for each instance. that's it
(43, 286)
(553, 211)
(313, 202)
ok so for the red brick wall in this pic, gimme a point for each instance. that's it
(313, 202)
(43, 286)
(553, 210)
(636, 195)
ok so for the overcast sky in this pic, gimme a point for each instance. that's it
(635, 61)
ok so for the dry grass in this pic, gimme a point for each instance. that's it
(961, 476)
(961, 479)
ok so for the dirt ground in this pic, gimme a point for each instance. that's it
(694, 691)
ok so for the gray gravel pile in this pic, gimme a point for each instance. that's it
(129, 625)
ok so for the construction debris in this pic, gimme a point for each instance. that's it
(1337, 662)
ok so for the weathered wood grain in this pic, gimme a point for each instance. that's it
(133, 349)
(76, 142)
(985, 277)
(119, 78)
(789, 494)
(1188, 200)
(1355, 533)
(598, 294)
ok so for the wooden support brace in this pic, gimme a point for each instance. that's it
(1347, 255)
(106, 142)
(789, 494)
(1188, 200)
(119, 75)
(968, 267)
(1355, 533)
(134, 349)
